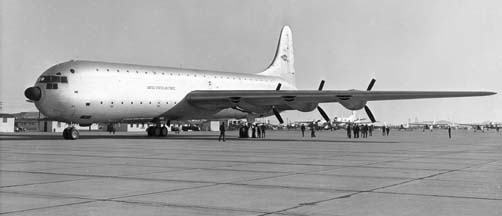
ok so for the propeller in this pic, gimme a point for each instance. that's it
(366, 108)
(277, 115)
(276, 112)
(323, 114)
(370, 86)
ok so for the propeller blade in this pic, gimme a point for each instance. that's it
(370, 115)
(324, 115)
(371, 85)
(278, 87)
(321, 85)
(277, 115)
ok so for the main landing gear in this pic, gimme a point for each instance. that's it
(157, 131)
(71, 133)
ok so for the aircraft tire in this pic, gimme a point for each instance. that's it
(163, 131)
(74, 134)
(149, 131)
(156, 131)
(66, 134)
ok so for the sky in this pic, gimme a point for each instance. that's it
(404, 45)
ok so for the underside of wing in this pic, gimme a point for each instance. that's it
(264, 101)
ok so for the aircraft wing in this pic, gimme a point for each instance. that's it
(261, 101)
(228, 98)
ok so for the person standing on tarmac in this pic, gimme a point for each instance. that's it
(222, 132)
(449, 132)
(258, 130)
(349, 132)
(302, 128)
(312, 130)
(263, 128)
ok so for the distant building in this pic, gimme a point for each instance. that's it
(7, 123)
(35, 121)
(138, 127)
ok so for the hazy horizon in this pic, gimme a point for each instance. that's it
(404, 45)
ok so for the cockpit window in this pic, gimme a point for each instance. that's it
(51, 86)
(56, 79)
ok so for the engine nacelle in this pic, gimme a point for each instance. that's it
(353, 104)
(303, 107)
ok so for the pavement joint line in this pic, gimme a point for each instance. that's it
(437, 195)
(38, 183)
(45, 207)
(185, 206)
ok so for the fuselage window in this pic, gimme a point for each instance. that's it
(64, 79)
(141, 102)
(97, 69)
(112, 102)
(118, 70)
(132, 102)
(87, 104)
(127, 71)
(122, 102)
(150, 102)
(51, 86)
(107, 69)
(72, 70)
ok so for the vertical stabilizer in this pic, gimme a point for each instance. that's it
(283, 64)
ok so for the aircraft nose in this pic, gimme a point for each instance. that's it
(33, 93)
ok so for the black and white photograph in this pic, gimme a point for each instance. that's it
(250, 107)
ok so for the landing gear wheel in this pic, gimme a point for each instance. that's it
(74, 134)
(156, 131)
(163, 131)
(149, 131)
(66, 134)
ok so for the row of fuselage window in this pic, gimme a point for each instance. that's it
(195, 75)
(113, 103)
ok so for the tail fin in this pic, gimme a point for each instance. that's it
(283, 64)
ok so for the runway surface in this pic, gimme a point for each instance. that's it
(406, 173)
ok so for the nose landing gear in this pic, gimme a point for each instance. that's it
(71, 133)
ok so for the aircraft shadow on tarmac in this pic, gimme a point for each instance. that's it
(14, 137)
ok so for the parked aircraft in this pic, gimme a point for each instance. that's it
(86, 92)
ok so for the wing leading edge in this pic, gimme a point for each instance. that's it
(272, 97)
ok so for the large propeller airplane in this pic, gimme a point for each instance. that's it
(86, 92)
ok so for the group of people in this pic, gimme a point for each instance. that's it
(257, 131)
(312, 130)
(357, 130)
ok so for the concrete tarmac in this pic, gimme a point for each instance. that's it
(406, 173)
